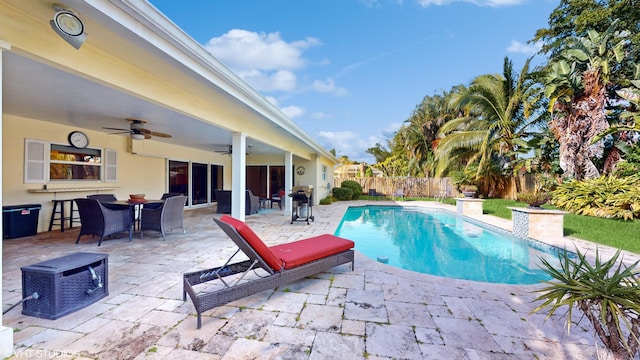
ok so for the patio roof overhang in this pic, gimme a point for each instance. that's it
(46, 78)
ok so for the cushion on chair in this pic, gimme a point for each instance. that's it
(304, 251)
(255, 242)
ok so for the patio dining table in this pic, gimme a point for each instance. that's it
(134, 207)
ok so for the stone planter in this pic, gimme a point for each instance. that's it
(469, 206)
(537, 223)
(469, 194)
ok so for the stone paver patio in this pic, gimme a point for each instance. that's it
(373, 312)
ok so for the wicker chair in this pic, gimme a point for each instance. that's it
(165, 218)
(168, 195)
(97, 220)
(252, 203)
(283, 264)
(223, 200)
(103, 197)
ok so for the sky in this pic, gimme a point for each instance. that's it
(350, 72)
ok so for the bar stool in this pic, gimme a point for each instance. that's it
(58, 217)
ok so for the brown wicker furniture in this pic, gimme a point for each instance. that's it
(252, 203)
(283, 264)
(165, 218)
(223, 200)
(97, 220)
(103, 197)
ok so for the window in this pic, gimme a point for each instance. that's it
(69, 163)
(53, 162)
(324, 173)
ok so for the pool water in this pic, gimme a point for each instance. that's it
(438, 242)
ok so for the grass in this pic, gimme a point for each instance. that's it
(615, 233)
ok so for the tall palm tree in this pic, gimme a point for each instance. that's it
(577, 89)
(498, 111)
(420, 131)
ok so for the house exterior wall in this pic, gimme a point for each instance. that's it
(136, 173)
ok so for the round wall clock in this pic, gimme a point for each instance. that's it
(78, 139)
(300, 170)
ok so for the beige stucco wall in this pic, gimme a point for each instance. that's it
(136, 173)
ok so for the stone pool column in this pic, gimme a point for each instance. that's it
(469, 206)
(537, 223)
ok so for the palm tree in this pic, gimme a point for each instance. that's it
(577, 89)
(498, 110)
(420, 132)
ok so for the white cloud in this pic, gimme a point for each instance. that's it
(282, 80)
(321, 116)
(243, 50)
(265, 61)
(328, 86)
(293, 111)
(522, 48)
(490, 3)
(349, 143)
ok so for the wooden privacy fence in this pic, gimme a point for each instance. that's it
(427, 187)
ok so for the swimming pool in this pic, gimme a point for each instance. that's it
(439, 242)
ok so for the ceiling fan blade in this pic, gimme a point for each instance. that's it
(158, 134)
(119, 129)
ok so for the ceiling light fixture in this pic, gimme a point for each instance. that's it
(68, 25)
(137, 136)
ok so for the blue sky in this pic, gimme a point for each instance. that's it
(350, 72)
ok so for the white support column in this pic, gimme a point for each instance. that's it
(288, 182)
(238, 175)
(6, 333)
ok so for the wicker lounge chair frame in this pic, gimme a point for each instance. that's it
(235, 290)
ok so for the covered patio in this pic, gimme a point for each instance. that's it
(375, 311)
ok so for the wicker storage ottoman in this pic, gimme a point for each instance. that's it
(64, 284)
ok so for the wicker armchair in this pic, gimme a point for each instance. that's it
(103, 197)
(252, 203)
(165, 218)
(168, 195)
(98, 220)
(223, 200)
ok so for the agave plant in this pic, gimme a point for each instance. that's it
(607, 293)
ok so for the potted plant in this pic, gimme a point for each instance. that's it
(465, 182)
(469, 191)
(534, 199)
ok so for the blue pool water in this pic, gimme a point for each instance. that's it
(441, 243)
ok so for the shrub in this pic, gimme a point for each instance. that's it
(605, 197)
(354, 186)
(342, 194)
(326, 201)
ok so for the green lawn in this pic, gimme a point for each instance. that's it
(616, 233)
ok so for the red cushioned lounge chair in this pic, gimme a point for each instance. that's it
(284, 264)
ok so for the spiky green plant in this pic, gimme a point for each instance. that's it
(608, 293)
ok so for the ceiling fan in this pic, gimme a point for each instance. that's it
(229, 150)
(137, 130)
